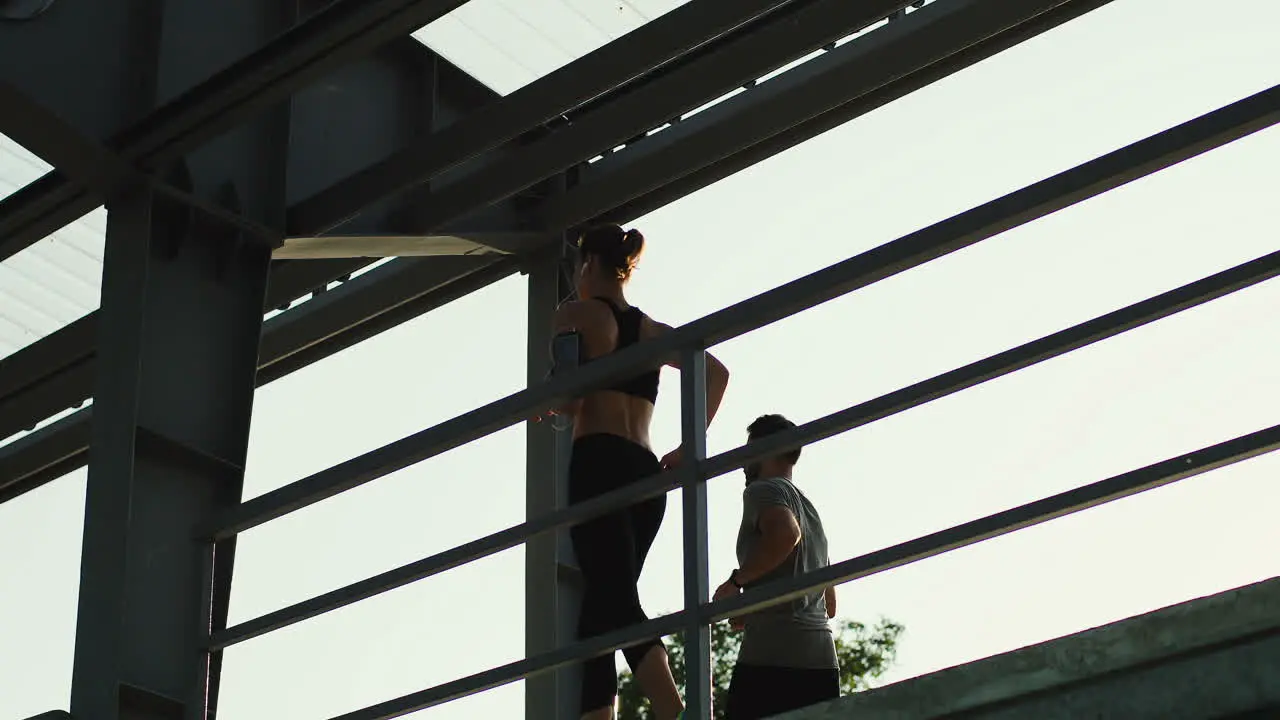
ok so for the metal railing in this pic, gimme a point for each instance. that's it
(689, 342)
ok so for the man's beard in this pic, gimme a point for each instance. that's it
(752, 472)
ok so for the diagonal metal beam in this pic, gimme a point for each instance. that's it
(370, 304)
(45, 455)
(879, 67)
(650, 46)
(738, 60)
(695, 23)
(72, 389)
(956, 233)
(629, 206)
(326, 325)
(339, 33)
(700, 138)
(89, 163)
(45, 357)
(51, 139)
(56, 372)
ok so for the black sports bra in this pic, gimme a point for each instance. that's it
(644, 385)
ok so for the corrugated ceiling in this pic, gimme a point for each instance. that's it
(507, 44)
(56, 280)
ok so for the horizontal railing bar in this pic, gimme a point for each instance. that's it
(1124, 485)
(1165, 472)
(447, 560)
(489, 679)
(1018, 358)
(1019, 207)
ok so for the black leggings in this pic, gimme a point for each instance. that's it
(611, 550)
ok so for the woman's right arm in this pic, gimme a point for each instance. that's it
(717, 374)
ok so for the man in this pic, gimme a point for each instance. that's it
(788, 657)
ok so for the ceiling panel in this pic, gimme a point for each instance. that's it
(507, 44)
(56, 280)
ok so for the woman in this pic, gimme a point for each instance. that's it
(611, 449)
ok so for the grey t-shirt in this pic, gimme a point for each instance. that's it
(795, 633)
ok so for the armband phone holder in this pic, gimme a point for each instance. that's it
(566, 351)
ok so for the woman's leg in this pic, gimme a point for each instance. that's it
(600, 546)
(603, 547)
(649, 662)
(610, 553)
(658, 684)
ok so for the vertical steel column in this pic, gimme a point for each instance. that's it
(693, 414)
(551, 592)
(177, 352)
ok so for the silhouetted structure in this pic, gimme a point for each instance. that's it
(245, 151)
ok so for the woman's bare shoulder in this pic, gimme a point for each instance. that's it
(582, 314)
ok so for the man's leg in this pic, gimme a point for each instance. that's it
(812, 686)
(747, 692)
(760, 691)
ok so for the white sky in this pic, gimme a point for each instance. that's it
(1210, 374)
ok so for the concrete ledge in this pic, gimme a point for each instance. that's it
(1214, 657)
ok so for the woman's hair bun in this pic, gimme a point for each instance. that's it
(619, 249)
(632, 242)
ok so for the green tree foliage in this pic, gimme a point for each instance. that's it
(865, 654)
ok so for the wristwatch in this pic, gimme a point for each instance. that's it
(733, 579)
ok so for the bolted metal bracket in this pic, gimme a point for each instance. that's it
(228, 240)
(172, 217)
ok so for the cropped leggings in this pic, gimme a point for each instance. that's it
(611, 550)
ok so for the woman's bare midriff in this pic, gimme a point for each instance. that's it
(614, 413)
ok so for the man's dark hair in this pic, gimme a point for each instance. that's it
(768, 425)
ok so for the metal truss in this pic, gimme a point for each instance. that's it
(205, 167)
(653, 169)
(337, 34)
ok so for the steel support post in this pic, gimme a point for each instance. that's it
(177, 347)
(697, 638)
(178, 343)
(552, 593)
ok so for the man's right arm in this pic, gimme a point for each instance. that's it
(764, 506)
